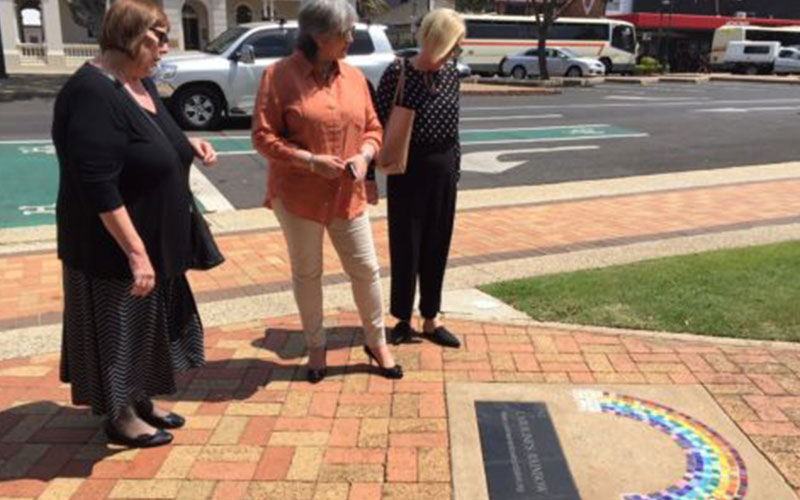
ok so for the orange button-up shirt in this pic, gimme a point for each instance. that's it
(295, 110)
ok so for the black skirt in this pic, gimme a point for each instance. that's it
(118, 349)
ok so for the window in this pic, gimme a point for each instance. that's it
(623, 38)
(578, 31)
(786, 53)
(756, 49)
(272, 43)
(362, 44)
(785, 37)
(503, 30)
(244, 14)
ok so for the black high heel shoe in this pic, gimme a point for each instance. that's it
(170, 421)
(316, 376)
(159, 438)
(395, 372)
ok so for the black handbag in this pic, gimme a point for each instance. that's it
(205, 253)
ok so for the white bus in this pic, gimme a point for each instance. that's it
(740, 33)
(491, 36)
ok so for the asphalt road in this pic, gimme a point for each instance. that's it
(612, 130)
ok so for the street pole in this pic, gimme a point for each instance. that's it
(3, 73)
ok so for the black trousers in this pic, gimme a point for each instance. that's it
(422, 207)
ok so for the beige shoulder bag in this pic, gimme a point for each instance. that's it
(397, 133)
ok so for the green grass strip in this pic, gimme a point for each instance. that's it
(750, 293)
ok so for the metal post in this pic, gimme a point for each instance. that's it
(3, 73)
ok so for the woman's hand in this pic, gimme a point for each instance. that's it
(203, 150)
(361, 165)
(144, 277)
(328, 166)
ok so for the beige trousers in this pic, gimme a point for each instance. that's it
(352, 240)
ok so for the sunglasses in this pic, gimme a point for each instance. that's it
(456, 52)
(163, 37)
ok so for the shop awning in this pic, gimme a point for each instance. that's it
(656, 20)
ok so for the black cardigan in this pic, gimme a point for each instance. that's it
(111, 155)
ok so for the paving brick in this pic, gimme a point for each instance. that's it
(365, 491)
(274, 463)
(401, 465)
(758, 428)
(306, 463)
(425, 491)
(141, 488)
(261, 490)
(373, 433)
(230, 490)
(332, 491)
(433, 465)
(179, 462)
(352, 473)
(355, 455)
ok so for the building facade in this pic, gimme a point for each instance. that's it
(59, 45)
(679, 33)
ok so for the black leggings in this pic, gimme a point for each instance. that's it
(422, 207)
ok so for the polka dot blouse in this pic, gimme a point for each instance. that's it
(434, 96)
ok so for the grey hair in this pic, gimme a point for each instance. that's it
(322, 17)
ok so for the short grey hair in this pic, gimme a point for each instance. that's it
(322, 17)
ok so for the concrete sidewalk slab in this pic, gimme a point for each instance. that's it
(685, 446)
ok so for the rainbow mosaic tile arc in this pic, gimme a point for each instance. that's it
(714, 468)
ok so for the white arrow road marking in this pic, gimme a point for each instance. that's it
(747, 110)
(207, 193)
(490, 162)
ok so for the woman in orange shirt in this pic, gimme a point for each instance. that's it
(315, 123)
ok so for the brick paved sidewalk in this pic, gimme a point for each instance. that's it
(256, 430)
(30, 285)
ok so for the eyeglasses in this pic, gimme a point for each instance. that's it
(456, 52)
(349, 33)
(163, 36)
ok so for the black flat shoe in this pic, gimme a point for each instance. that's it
(402, 333)
(159, 438)
(395, 372)
(316, 376)
(170, 421)
(442, 336)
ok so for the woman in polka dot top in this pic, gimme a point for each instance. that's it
(422, 201)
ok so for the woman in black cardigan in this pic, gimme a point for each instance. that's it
(130, 320)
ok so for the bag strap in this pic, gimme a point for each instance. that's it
(401, 81)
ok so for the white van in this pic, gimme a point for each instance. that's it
(751, 58)
(788, 61)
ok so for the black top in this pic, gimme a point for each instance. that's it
(434, 96)
(110, 154)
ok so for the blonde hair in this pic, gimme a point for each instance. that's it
(126, 22)
(440, 31)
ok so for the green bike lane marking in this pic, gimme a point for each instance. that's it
(29, 169)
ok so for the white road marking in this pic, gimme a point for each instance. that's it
(490, 162)
(651, 99)
(563, 139)
(515, 117)
(632, 105)
(207, 193)
(747, 110)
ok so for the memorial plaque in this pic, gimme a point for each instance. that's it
(522, 454)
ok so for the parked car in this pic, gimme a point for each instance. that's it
(750, 57)
(560, 62)
(788, 61)
(463, 70)
(222, 80)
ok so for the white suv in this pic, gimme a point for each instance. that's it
(223, 79)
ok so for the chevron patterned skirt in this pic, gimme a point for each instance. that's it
(117, 349)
